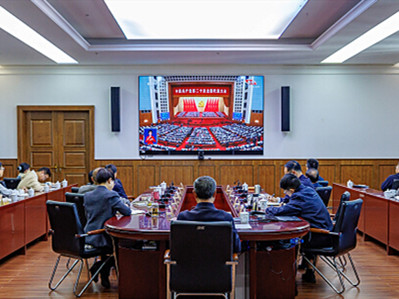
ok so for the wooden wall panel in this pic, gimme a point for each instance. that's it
(208, 170)
(138, 175)
(177, 174)
(145, 177)
(266, 178)
(230, 173)
(10, 168)
(125, 174)
(385, 171)
(357, 173)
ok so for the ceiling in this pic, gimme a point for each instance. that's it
(86, 30)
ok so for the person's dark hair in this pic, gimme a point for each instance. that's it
(22, 167)
(90, 177)
(293, 165)
(204, 187)
(112, 167)
(104, 175)
(46, 170)
(313, 174)
(289, 181)
(312, 163)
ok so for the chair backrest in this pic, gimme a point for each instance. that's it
(344, 197)
(323, 183)
(65, 224)
(11, 183)
(77, 198)
(75, 189)
(346, 225)
(324, 193)
(201, 250)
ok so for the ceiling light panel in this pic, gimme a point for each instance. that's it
(27, 35)
(199, 19)
(368, 39)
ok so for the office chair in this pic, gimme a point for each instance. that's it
(11, 183)
(68, 239)
(75, 189)
(323, 183)
(201, 260)
(324, 193)
(77, 198)
(343, 240)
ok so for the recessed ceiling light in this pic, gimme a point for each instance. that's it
(204, 19)
(368, 39)
(27, 35)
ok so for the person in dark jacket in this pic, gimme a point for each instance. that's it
(313, 175)
(305, 203)
(387, 184)
(100, 205)
(204, 191)
(118, 187)
(313, 163)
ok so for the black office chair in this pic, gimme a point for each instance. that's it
(323, 183)
(201, 260)
(343, 240)
(11, 183)
(75, 189)
(68, 239)
(77, 198)
(324, 193)
(344, 197)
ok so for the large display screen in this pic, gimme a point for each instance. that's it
(211, 114)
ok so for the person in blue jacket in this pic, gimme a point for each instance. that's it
(204, 192)
(118, 187)
(313, 163)
(305, 203)
(295, 168)
(387, 184)
(100, 205)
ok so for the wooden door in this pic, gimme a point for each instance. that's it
(57, 137)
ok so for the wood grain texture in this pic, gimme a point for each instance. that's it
(137, 175)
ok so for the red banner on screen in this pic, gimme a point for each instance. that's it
(201, 91)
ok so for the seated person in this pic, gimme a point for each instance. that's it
(92, 182)
(118, 184)
(387, 184)
(313, 163)
(3, 190)
(305, 203)
(204, 191)
(100, 205)
(295, 168)
(313, 175)
(31, 179)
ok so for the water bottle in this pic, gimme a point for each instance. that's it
(64, 183)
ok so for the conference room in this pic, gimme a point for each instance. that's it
(235, 106)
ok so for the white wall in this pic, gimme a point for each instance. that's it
(336, 112)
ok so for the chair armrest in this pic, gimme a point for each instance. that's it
(319, 230)
(167, 259)
(167, 254)
(323, 231)
(92, 232)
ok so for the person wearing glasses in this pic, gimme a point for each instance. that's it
(305, 203)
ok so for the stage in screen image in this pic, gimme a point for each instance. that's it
(187, 114)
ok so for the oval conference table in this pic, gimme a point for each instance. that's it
(142, 241)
